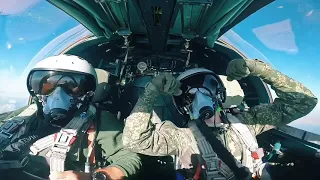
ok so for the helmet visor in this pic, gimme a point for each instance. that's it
(205, 83)
(44, 82)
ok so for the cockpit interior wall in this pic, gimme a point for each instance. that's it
(108, 55)
(163, 29)
(160, 20)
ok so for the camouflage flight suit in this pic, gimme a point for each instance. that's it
(141, 135)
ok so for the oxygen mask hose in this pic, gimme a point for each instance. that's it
(87, 168)
(87, 165)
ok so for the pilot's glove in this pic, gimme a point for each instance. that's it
(240, 68)
(167, 84)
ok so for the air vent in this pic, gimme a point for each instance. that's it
(156, 15)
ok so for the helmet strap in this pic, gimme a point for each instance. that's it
(85, 100)
(38, 102)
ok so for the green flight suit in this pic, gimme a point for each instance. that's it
(109, 143)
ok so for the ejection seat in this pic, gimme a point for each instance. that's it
(234, 93)
(106, 90)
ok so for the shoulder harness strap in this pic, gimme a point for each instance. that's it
(65, 138)
(251, 152)
(62, 141)
(213, 162)
(239, 171)
(92, 137)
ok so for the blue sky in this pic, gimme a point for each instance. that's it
(24, 33)
(285, 34)
(29, 31)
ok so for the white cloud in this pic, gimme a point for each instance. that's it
(12, 101)
(309, 13)
(11, 7)
(277, 36)
(11, 70)
(311, 119)
(243, 46)
(12, 85)
(13, 90)
(7, 108)
(45, 17)
(310, 122)
(9, 46)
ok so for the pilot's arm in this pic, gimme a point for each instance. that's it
(294, 99)
(161, 139)
(123, 163)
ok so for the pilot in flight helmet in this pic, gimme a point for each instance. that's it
(202, 93)
(62, 83)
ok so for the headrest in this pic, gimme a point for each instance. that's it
(234, 92)
(103, 86)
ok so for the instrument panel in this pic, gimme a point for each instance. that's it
(153, 65)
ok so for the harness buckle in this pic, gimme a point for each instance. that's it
(72, 132)
(9, 126)
(19, 121)
(5, 134)
(41, 144)
(60, 149)
(64, 139)
(34, 150)
(258, 153)
(24, 161)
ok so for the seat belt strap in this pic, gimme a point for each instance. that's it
(65, 138)
(252, 154)
(41, 144)
(242, 132)
(239, 171)
(215, 168)
(20, 148)
(13, 164)
(91, 134)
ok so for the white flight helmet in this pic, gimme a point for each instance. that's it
(79, 70)
(62, 83)
(202, 89)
